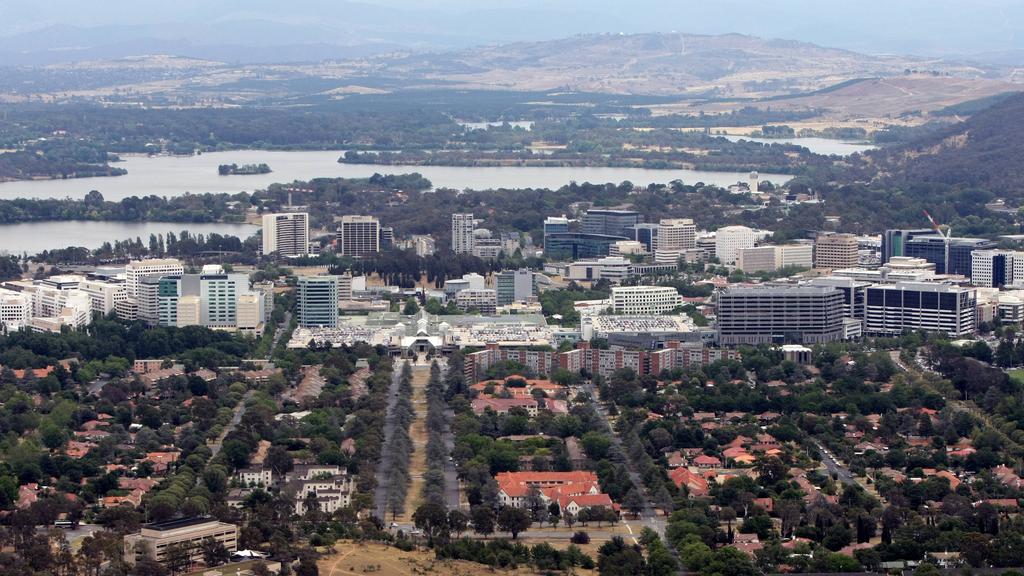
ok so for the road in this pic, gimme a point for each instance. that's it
(451, 473)
(834, 467)
(649, 517)
(281, 329)
(217, 444)
(380, 493)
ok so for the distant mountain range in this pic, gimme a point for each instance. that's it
(712, 68)
(721, 66)
(40, 30)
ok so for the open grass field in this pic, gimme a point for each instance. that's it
(1016, 375)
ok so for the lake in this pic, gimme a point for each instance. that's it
(824, 146)
(176, 175)
(34, 237)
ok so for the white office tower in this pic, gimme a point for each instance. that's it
(729, 240)
(104, 293)
(753, 183)
(995, 268)
(645, 299)
(53, 309)
(462, 233)
(359, 236)
(675, 236)
(249, 313)
(15, 310)
(138, 269)
(286, 234)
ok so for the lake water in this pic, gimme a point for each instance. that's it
(176, 175)
(824, 146)
(34, 237)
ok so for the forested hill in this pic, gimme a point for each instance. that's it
(985, 151)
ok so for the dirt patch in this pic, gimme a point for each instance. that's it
(359, 559)
(261, 452)
(418, 434)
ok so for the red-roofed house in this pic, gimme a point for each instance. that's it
(574, 504)
(503, 405)
(705, 461)
(161, 460)
(695, 483)
(676, 459)
(513, 486)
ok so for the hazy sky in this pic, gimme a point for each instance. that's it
(909, 26)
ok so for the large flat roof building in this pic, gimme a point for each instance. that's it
(153, 540)
(610, 222)
(773, 314)
(927, 306)
(645, 299)
(933, 249)
(578, 245)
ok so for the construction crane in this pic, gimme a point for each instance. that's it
(945, 238)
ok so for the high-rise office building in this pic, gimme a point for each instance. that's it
(675, 236)
(933, 249)
(646, 234)
(463, 226)
(800, 255)
(148, 298)
(577, 245)
(610, 222)
(317, 301)
(104, 292)
(249, 313)
(286, 234)
(359, 236)
(893, 308)
(894, 241)
(515, 286)
(996, 268)
(728, 241)
(757, 259)
(209, 298)
(854, 293)
(387, 237)
(555, 225)
(15, 310)
(834, 251)
(137, 269)
(773, 314)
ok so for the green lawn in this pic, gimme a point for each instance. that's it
(1016, 375)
